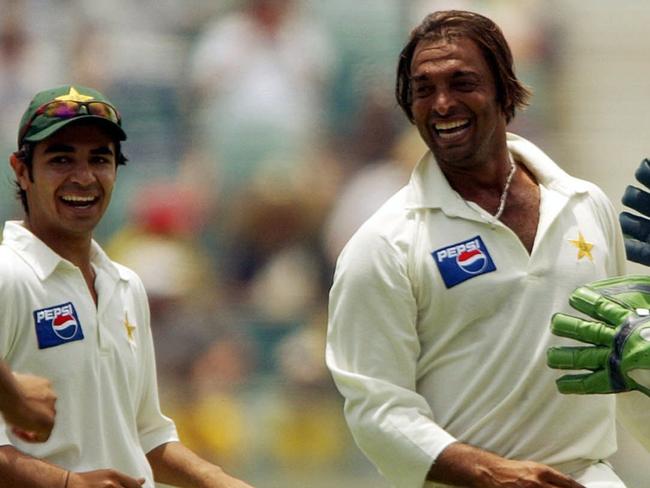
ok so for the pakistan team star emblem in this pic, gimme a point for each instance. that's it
(584, 247)
(130, 328)
(74, 96)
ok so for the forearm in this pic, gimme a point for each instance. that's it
(18, 469)
(173, 463)
(456, 465)
(464, 465)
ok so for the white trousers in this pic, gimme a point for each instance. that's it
(598, 475)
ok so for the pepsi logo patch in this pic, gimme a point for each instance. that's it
(57, 325)
(462, 261)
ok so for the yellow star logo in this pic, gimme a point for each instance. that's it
(74, 96)
(130, 328)
(584, 247)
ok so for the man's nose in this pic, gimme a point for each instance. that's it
(443, 102)
(83, 173)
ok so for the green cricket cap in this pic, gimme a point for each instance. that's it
(44, 117)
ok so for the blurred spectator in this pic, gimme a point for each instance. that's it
(278, 213)
(158, 242)
(259, 75)
(217, 371)
(367, 35)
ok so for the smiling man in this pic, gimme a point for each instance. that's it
(440, 303)
(81, 320)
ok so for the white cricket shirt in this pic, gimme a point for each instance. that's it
(439, 324)
(100, 359)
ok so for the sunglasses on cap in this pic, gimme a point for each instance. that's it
(68, 109)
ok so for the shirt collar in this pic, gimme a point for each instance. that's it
(44, 260)
(428, 187)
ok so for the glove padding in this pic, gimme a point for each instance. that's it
(619, 359)
(636, 228)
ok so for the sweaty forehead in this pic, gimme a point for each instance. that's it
(449, 52)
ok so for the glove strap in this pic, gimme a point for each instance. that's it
(616, 377)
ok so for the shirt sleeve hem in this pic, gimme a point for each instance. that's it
(152, 440)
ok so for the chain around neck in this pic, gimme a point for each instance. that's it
(506, 188)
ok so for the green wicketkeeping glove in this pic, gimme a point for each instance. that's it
(619, 359)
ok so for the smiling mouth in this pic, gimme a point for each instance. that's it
(79, 201)
(447, 130)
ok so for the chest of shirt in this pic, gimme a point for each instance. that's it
(465, 269)
(62, 334)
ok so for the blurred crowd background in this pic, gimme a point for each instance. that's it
(261, 134)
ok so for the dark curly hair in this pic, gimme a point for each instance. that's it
(450, 25)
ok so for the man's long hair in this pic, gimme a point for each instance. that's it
(450, 25)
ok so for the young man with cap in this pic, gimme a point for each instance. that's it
(80, 319)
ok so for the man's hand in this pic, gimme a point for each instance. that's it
(462, 464)
(637, 228)
(619, 359)
(32, 413)
(102, 478)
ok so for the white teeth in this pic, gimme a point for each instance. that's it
(450, 125)
(77, 199)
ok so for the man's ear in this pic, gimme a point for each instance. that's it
(21, 171)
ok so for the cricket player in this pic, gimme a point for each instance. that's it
(439, 310)
(74, 316)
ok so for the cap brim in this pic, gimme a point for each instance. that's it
(48, 131)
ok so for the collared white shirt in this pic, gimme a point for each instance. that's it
(439, 324)
(100, 358)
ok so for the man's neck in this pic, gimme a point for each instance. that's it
(74, 248)
(488, 177)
